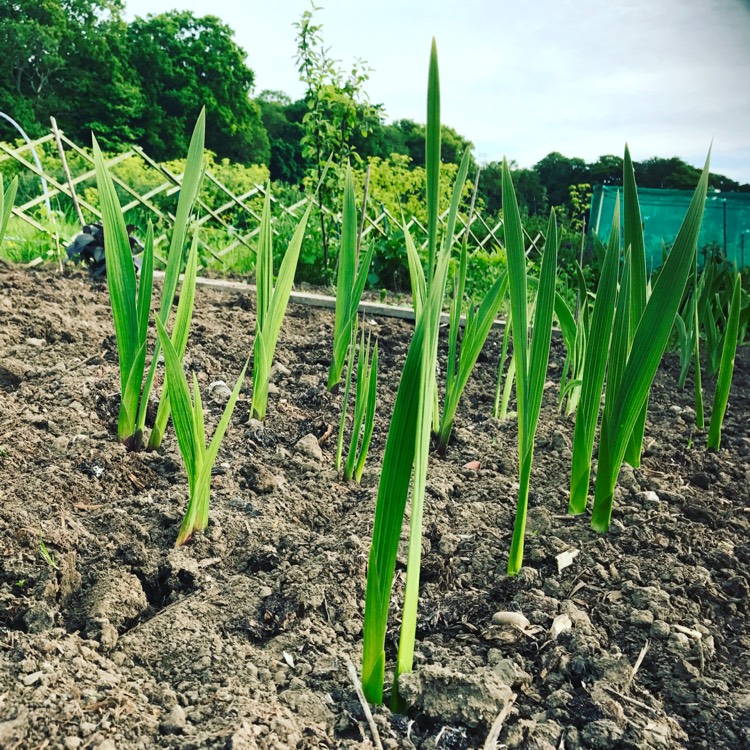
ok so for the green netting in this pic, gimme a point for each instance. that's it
(725, 227)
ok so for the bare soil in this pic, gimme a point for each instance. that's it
(240, 639)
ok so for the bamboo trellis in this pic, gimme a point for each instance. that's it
(480, 233)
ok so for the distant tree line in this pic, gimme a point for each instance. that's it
(145, 81)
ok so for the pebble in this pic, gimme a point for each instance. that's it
(106, 745)
(308, 446)
(648, 499)
(174, 722)
(660, 630)
(36, 343)
(72, 743)
(31, 679)
(514, 619)
(219, 392)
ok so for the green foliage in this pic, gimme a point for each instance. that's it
(191, 435)
(51, 57)
(530, 357)
(350, 282)
(185, 62)
(364, 406)
(337, 108)
(7, 197)
(131, 302)
(272, 302)
(594, 369)
(282, 120)
(724, 382)
(631, 363)
(478, 325)
(580, 201)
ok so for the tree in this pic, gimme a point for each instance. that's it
(606, 170)
(671, 173)
(557, 173)
(185, 62)
(282, 119)
(52, 53)
(337, 108)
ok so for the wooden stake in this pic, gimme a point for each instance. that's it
(64, 161)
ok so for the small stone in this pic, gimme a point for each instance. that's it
(561, 624)
(72, 743)
(39, 618)
(649, 499)
(175, 721)
(308, 446)
(219, 392)
(642, 617)
(264, 592)
(273, 389)
(36, 343)
(559, 441)
(87, 728)
(679, 643)
(31, 679)
(106, 745)
(513, 619)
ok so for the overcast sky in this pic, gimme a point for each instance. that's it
(522, 79)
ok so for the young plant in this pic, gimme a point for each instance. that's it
(505, 378)
(7, 198)
(531, 361)
(131, 300)
(189, 190)
(478, 325)
(575, 332)
(594, 368)
(638, 288)
(350, 282)
(407, 449)
(364, 407)
(45, 554)
(272, 301)
(626, 399)
(699, 415)
(724, 382)
(407, 445)
(187, 415)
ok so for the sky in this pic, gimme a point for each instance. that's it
(522, 79)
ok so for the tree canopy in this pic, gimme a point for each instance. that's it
(145, 82)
